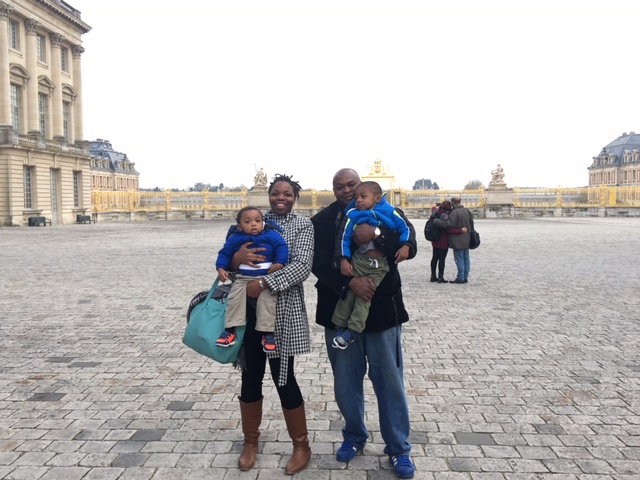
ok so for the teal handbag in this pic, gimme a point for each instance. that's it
(205, 323)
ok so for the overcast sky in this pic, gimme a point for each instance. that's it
(208, 91)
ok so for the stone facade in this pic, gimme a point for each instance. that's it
(111, 170)
(44, 162)
(618, 164)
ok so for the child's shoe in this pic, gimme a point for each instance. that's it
(226, 338)
(268, 342)
(337, 332)
(345, 339)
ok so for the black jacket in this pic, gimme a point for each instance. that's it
(387, 307)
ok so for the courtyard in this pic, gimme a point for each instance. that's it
(531, 370)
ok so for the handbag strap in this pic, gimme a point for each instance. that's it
(213, 288)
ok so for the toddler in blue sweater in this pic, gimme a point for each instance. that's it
(370, 207)
(251, 227)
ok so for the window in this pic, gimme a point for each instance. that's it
(64, 59)
(65, 120)
(41, 43)
(76, 189)
(14, 34)
(42, 113)
(28, 198)
(15, 107)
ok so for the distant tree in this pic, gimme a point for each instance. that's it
(436, 186)
(200, 187)
(473, 185)
(221, 186)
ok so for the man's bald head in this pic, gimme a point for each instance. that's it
(345, 182)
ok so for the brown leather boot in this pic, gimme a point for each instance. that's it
(297, 427)
(251, 414)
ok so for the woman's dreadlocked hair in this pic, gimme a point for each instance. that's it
(286, 178)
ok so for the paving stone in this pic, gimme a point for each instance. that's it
(148, 435)
(45, 397)
(126, 460)
(464, 438)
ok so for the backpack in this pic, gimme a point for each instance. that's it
(432, 232)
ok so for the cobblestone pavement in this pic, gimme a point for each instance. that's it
(531, 370)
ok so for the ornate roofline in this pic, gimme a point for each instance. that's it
(66, 11)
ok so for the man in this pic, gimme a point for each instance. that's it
(458, 218)
(379, 346)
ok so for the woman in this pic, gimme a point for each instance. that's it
(291, 332)
(441, 246)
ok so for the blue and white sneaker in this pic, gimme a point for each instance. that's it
(344, 339)
(347, 452)
(402, 466)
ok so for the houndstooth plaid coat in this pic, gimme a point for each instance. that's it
(292, 324)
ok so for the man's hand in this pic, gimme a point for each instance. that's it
(363, 288)
(248, 256)
(363, 234)
(402, 254)
(345, 267)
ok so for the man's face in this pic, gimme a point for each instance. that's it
(344, 186)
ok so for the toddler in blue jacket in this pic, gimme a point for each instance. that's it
(251, 227)
(370, 207)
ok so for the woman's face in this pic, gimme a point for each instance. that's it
(282, 198)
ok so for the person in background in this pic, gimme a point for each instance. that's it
(441, 246)
(459, 217)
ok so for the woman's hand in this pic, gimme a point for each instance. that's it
(254, 289)
(248, 256)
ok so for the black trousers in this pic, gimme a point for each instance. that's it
(438, 260)
(256, 362)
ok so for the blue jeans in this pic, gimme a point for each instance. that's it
(349, 367)
(463, 263)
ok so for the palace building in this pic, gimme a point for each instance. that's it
(45, 166)
(111, 170)
(618, 164)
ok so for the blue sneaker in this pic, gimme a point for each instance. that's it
(347, 452)
(344, 339)
(402, 466)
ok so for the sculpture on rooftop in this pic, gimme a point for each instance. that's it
(260, 179)
(497, 175)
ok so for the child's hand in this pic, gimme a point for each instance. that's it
(275, 267)
(345, 267)
(402, 254)
(223, 275)
(464, 229)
